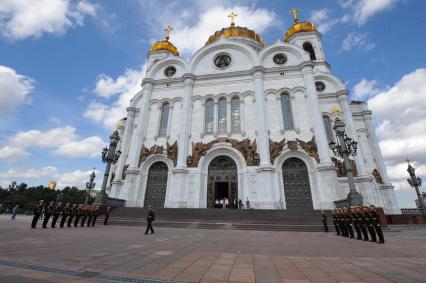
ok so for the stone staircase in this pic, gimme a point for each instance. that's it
(233, 219)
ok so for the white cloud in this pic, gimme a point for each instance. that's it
(29, 173)
(14, 89)
(20, 19)
(363, 10)
(12, 153)
(90, 146)
(365, 89)
(76, 178)
(62, 140)
(323, 20)
(356, 40)
(401, 115)
(124, 87)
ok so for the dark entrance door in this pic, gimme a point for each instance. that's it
(296, 184)
(156, 186)
(222, 181)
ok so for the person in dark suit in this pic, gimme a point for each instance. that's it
(49, 212)
(107, 212)
(150, 218)
(57, 211)
(37, 212)
(324, 221)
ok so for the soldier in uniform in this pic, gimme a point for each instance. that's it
(363, 223)
(376, 223)
(90, 216)
(49, 212)
(324, 221)
(84, 214)
(107, 212)
(369, 222)
(342, 224)
(336, 226)
(56, 211)
(95, 215)
(65, 213)
(37, 211)
(72, 212)
(348, 221)
(356, 220)
(150, 218)
(77, 215)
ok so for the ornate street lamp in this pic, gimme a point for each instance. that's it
(415, 182)
(90, 186)
(109, 156)
(345, 147)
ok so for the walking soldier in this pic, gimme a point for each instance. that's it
(37, 211)
(72, 212)
(95, 215)
(363, 223)
(336, 227)
(65, 212)
(324, 220)
(84, 214)
(369, 222)
(356, 220)
(107, 212)
(348, 221)
(57, 210)
(78, 214)
(89, 216)
(342, 223)
(376, 224)
(49, 212)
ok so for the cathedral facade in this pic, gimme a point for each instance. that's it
(244, 120)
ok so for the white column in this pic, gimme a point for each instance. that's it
(140, 130)
(228, 118)
(242, 118)
(343, 100)
(185, 128)
(125, 140)
(314, 109)
(377, 154)
(262, 134)
(215, 118)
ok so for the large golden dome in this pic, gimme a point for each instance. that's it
(165, 44)
(235, 31)
(298, 26)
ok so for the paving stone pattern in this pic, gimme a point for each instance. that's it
(125, 254)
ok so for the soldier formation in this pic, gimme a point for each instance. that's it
(70, 215)
(360, 222)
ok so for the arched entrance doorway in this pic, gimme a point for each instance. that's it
(156, 185)
(222, 181)
(296, 184)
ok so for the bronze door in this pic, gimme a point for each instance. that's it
(222, 169)
(156, 185)
(296, 184)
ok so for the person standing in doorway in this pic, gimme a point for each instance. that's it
(15, 211)
(150, 218)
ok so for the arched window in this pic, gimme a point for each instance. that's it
(308, 48)
(164, 120)
(235, 115)
(209, 119)
(286, 107)
(221, 116)
(327, 126)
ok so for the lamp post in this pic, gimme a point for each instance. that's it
(109, 156)
(90, 186)
(345, 147)
(415, 182)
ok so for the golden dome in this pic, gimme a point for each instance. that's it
(165, 44)
(236, 31)
(298, 27)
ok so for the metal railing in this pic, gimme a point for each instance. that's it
(341, 203)
(411, 211)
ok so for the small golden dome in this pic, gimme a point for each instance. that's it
(298, 27)
(165, 44)
(236, 31)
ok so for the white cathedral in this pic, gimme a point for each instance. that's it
(244, 120)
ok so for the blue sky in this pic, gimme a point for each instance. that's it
(69, 68)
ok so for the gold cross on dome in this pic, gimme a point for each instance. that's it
(232, 16)
(117, 124)
(168, 30)
(294, 12)
(336, 112)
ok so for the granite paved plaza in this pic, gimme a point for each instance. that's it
(124, 254)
